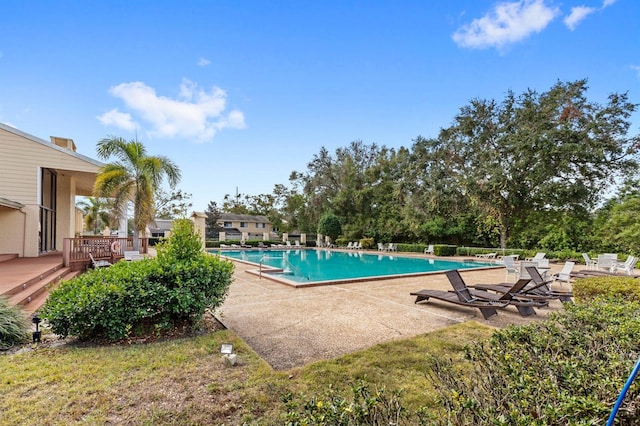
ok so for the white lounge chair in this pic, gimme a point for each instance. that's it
(591, 263)
(99, 263)
(392, 247)
(605, 261)
(628, 266)
(133, 256)
(512, 268)
(381, 247)
(565, 273)
(429, 250)
(536, 258)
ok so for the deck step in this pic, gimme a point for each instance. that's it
(33, 281)
(36, 287)
(36, 300)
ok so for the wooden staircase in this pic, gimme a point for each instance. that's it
(26, 282)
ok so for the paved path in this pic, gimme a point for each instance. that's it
(289, 327)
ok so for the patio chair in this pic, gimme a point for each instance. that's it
(297, 244)
(132, 255)
(381, 247)
(537, 257)
(429, 250)
(524, 306)
(565, 274)
(99, 263)
(605, 261)
(537, 290)
(591, 263)
(628, 266)
(512, 268)
(392, 247)
(464, 298)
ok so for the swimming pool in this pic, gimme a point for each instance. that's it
(313, 266)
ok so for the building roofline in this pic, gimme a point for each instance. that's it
(49, 144)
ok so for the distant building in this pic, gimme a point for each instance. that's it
(235, 225)
(39, 181)
(160, 227)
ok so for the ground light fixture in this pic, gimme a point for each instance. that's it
(228, 357)
(36, 334)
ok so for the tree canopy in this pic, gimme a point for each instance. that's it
(133, 177)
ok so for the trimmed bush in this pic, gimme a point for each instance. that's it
(585, 289)
(138, 298)
(14, 327)
(566, 370)
(444, 250)
(367, 243)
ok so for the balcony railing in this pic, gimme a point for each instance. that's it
(75, 251)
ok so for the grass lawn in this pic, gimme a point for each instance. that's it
(183, 381)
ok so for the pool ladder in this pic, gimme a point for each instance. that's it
(296, 270)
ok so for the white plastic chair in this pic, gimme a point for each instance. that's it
(591, 263)
(565, 273)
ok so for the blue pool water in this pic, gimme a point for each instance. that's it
(302, 266)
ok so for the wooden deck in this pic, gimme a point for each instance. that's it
(26, 281)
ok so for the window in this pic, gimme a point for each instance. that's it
(243, 224)
(227, 225)
(261, 225)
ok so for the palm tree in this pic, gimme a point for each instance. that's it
(96, 213)
(133, 177)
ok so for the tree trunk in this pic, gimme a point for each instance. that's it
(136, 239)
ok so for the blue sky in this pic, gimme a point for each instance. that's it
(241, 93)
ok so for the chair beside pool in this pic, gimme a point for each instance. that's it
(463, 295)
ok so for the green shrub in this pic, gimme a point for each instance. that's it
(137, 298)
(444, 250)
(585, 289)
(412, 248)
(566, 370)
(342, 242)
(367, 243)
(14, 327)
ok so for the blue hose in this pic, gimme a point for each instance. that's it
(625, 388)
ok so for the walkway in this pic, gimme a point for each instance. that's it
(290, 327)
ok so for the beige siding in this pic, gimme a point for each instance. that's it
(19, 162)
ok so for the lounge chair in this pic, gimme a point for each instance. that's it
(296, 244)
(591, 263)
(628, 266)
(605, 261)
(537, 290)
(99, 263)
(429, 250)
(510, 265)
(133, 256)
(392, 247)
(463, 298)
(537, 257)
(262, 245)
(524, 306)
(565, 273)
(380, 247)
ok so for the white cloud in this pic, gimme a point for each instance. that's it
(636, 68)
(606, 3)
(196, 113)
(117, 119)
(577, 15)
(507, 23)
(203, 62)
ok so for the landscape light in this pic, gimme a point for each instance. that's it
(36, 334)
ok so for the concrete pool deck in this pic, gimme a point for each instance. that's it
(290, 327)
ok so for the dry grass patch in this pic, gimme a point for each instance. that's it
(183, 381)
